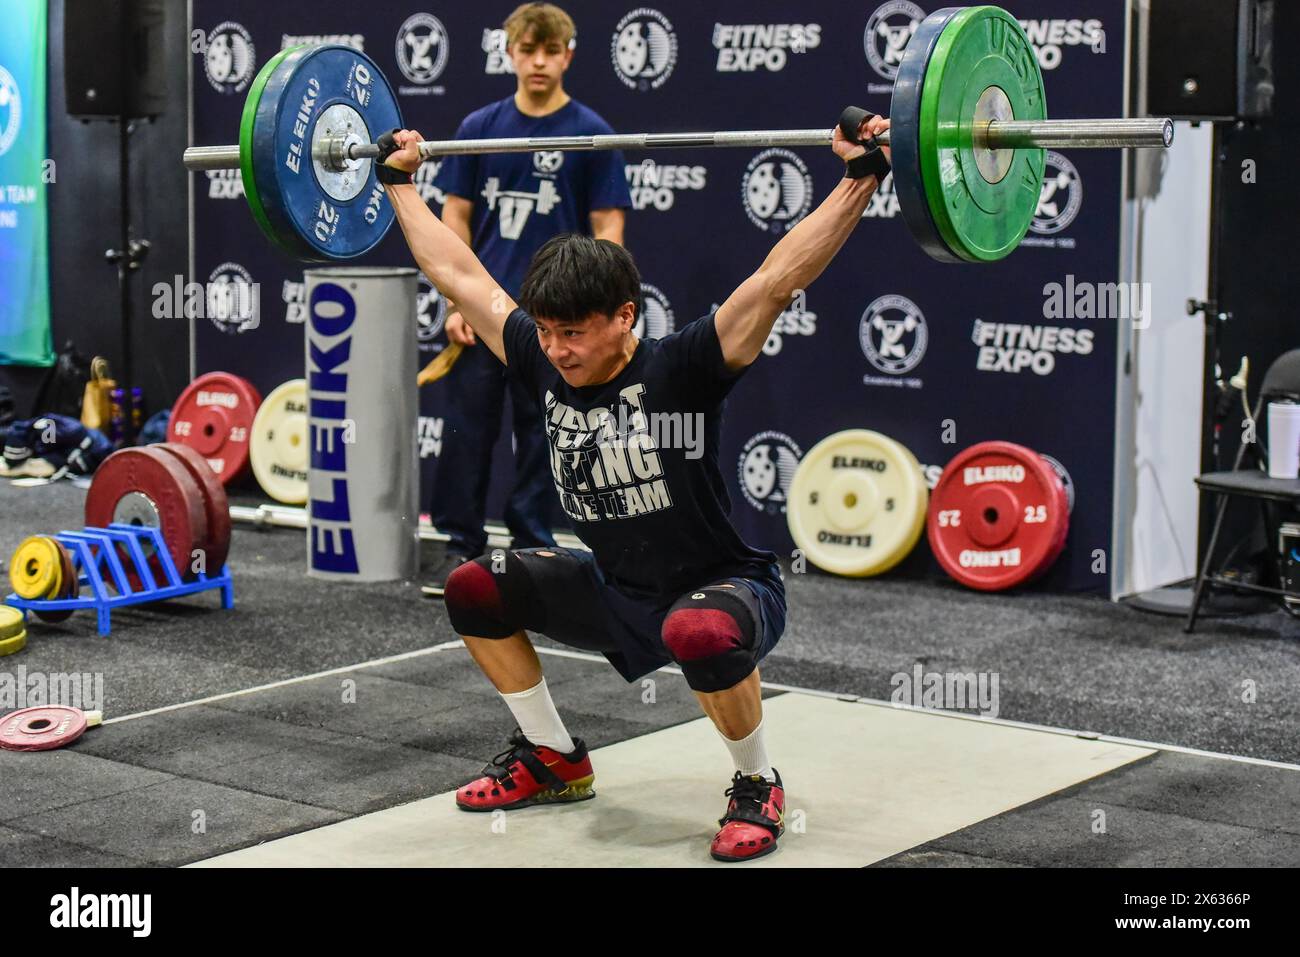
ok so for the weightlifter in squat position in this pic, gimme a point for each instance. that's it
(668, 578)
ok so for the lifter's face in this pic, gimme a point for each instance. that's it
(592, 351)
(539, 66)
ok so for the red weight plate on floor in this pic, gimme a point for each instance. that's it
(69, 588)
(41, 728)
(213, 416)
(217, 545)
(148, 486)
(998, 517)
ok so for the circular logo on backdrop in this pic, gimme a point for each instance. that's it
(1062, 195)
(655, 319)
(11, 110)
(644, 49)
(422, 48)
(1065, 480)
(430, 316)
(548, 161)
(888, 31)
(765, 470)
(229, 58)
(232, 299)
(893, 334)
(777, 190)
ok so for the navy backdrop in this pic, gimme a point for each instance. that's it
(695, 237)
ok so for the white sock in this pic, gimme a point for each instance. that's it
(535, 713)
(750, 754)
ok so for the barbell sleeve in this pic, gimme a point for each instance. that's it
(998, 135)
(199, 158)
(1154, 133)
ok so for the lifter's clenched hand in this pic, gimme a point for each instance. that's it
(869, 127)
(407, 156)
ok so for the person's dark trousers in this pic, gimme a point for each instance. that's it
(477, 386)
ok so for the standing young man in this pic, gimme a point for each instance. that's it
(505, 206)
(668, 577)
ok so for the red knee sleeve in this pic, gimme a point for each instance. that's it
(474, 604)
(690, 634)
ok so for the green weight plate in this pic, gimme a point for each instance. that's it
(252, 193)
(981, 215)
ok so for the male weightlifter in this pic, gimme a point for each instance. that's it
(668, 578)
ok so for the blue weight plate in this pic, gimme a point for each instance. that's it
(318, 214)
(905, 132)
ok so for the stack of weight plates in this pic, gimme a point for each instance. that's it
(857, 503)
(41, 568)
(960, 204)
(999, 516)
(169, 487)
(311, 212)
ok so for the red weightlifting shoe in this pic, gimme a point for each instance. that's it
(525, 774)
(754, 820)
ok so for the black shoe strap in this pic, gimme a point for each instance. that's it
(540, 772)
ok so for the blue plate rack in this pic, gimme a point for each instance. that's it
(97, 555)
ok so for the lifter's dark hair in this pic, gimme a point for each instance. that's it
(573, 276)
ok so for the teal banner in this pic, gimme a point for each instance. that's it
(25, 173)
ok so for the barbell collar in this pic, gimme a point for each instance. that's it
(1013, 134)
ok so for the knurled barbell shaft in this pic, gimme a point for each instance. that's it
(1010, 134)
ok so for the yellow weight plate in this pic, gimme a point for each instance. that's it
(36, 569)
(11, 622)
(277, 444)
(11, 646)
(857, 503)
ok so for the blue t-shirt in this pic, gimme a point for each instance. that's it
(635, 461)
(523, 199)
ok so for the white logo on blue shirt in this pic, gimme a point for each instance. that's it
(514, 206)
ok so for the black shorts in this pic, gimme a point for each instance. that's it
(581, 610)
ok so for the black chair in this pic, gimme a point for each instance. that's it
(1282, 381)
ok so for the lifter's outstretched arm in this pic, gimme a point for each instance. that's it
(745, 320)
(443, 256)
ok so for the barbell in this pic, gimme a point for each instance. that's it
(968, 132)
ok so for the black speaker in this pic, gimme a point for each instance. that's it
(113, 57)
(1210, 59)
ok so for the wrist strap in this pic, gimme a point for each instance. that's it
(389, 175)
(392, 177)
(870, 163)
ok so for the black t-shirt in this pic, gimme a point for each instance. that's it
(635, 461)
